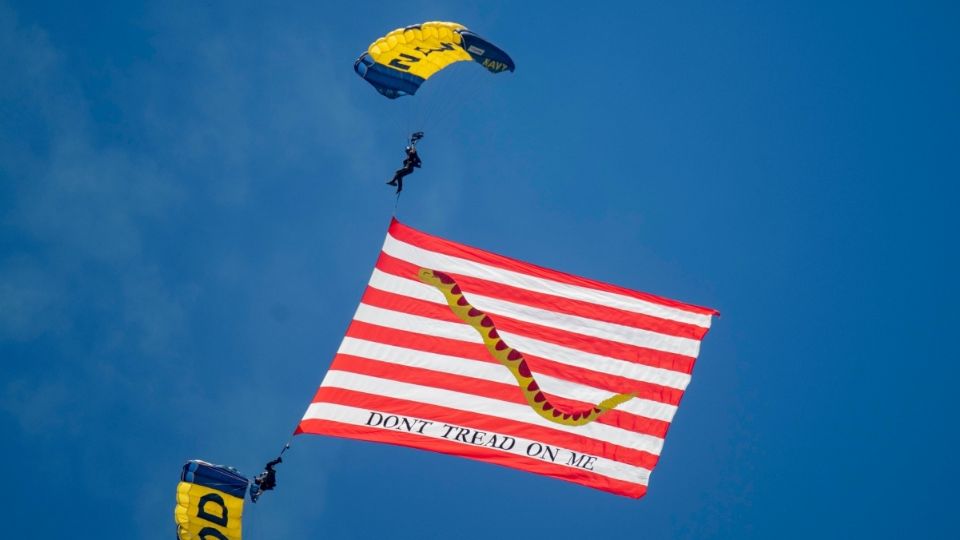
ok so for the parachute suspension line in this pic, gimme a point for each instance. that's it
(435, 99)
(419, 105)
(407, 108)
(436, 94)
(469, 88)
(414, 109)
(468, 91)
(402, 121)
(444, 94)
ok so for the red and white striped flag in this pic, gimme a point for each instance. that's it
(462, 351)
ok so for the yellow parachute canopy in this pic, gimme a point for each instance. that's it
(209, 502)
(399, 62)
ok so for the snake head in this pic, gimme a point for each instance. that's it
(426, 275)
(433, 277)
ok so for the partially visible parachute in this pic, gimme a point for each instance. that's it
(399, 62)
(209, 502)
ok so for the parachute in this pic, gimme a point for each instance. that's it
(209, 502)
(399, 62)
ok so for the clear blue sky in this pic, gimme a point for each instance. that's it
(192, 199)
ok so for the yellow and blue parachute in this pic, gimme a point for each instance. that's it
(209, 502)
(399, 62)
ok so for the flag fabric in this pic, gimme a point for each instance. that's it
(458, 350)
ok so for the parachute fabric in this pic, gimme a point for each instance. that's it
(209, 502)
(399, 62)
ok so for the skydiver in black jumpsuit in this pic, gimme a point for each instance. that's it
(265, 481)
(409, 163)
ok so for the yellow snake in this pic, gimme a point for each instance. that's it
(511, 358)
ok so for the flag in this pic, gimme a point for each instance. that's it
(458, 350)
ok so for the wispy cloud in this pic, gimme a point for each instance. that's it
(112, 239)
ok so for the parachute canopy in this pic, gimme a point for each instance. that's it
(399, 62)
(209, 502)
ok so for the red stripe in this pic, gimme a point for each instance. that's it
(494, 390)
(566, 338)
(476, 351)
(579, 476)
(432, 243)
(483, 422)
(559, 304)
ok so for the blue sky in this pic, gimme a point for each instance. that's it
(192, 198)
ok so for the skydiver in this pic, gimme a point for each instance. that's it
(265, 481)
(409, 163)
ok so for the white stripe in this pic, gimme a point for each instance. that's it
(447, 263)
(415, 323)
(487, 371)
(513, 412)
(561, 321)
(437, 430)
(558, 353)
